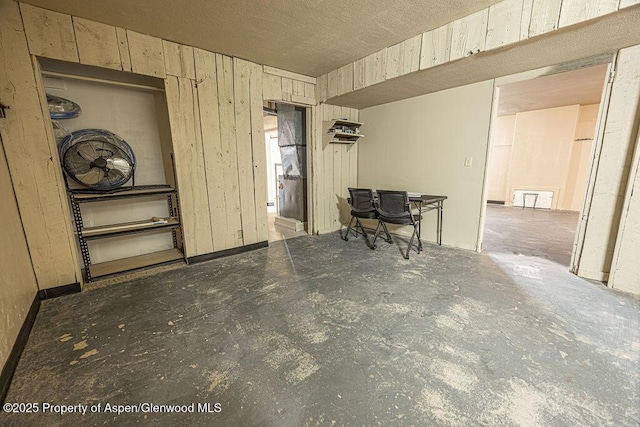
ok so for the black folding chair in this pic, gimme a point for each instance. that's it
(394, 208)
(362, 206)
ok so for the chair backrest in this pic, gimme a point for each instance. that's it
(393, 203)
(361, 199)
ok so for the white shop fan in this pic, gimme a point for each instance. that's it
(97, 159)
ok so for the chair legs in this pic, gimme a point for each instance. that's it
(362, 231)
(390, 240)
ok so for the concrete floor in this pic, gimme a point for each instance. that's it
(534, 232)
(319, 331)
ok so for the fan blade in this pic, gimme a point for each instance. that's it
(119, 165)
(87, 152)
(92, 177)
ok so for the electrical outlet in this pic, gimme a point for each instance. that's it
(468, 161)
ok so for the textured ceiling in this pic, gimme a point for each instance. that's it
(307, 37)
(583, 87)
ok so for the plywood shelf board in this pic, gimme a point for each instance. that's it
(132, 263)
(128, 227)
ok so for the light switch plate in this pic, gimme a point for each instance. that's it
(468, 161)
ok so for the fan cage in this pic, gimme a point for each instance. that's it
(93, 151)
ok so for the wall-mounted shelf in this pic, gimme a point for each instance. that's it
(342, 131)
(172, 223)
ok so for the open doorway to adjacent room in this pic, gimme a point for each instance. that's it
(540, 157)
(285, 129)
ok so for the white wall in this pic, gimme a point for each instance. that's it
(420, 145)
(545, 150)
(132, 114)
(17, 280)
(500, 157)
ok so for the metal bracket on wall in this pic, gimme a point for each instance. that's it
(3, 108)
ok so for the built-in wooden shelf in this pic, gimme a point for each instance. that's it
(133, 263)
(342, 131)
(128, 228)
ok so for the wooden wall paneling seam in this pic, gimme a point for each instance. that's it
(147, 54)
(49, 34)
(469, 35)
(336, 193)
(504, 23)
(344, 79)
(97, 44)
(207, 86)
(226, 100)
(123, 48)
(322, 87)
(412, 50)
(244, 150)
(189, 163)
(259, 151)
(375, 67)
(358, 74)
(287, 89)
(179, 60)
(34, 170)
(205, 233)
(327, 158)
(332, 84)
(394, 61)
(298, 88)
(545, 15)
(436, 47)
(525, 19)
(317, 170)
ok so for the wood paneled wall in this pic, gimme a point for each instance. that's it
(215, 113)
(335, 168)
(504, 23)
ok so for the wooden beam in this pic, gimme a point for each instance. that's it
(469, 34)
(375, 67)
(436, 47)
(358, 74)
(504, 23)
(49, 34)
(544, 16)
(179, 60)
(97, 44)
(344, 79)
(288, 74)
(147, 54)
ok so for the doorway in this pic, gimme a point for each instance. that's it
(540, 156)
(286, 142)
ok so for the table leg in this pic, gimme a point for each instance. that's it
(440, 206)
(419, 226)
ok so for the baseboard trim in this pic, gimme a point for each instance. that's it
(18, 347)
(227, 252)
(59, 291)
